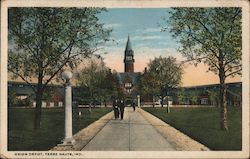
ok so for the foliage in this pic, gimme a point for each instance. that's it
(148, 85)
(111, 86)
(193, 96)
(165, 71)
(214, 96)
(43, 41)
(12, 98)
(178, 95)
(209, 34)
(97, 78)
(212, 36)
(46, 39)
(163, 74)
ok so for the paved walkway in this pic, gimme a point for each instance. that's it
(133, 133)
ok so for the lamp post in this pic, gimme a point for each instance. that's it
(68, 140)
(138, 101)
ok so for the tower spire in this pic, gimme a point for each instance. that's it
(129, 57)
(128, 46)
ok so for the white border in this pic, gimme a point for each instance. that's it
(130, 4)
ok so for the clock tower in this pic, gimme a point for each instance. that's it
(129, 58)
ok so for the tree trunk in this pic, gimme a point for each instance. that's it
(162, 100)
(39, 96)
(223, 106)
(223, 101)
(38, 111)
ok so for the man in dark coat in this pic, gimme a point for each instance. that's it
(115, 107)
(121, 106)
(133, 105)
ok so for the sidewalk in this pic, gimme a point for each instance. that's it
(133, 133)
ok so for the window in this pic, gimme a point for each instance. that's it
(128, 85)
(204, 101)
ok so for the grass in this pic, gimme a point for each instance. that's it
(20, 127)
(203, 125)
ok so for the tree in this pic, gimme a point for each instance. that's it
(111, 86)
(213, 96)
(96, 77)
(147, 86)
(179, 95)
(164, 74)
(12, 98)
(118, 91)
(193, 96)
(211, 36)
(43, 41)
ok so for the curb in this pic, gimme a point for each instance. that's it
(84, 136)
(179, 140)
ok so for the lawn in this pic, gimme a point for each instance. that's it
(203, 125)
(20, 126)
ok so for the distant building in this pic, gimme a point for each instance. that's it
(129, 79)
(208, 95)
(24, 95)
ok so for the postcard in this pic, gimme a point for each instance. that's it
(124, 79)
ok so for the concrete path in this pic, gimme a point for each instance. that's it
(133, 133)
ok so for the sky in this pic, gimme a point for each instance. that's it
(144, 25)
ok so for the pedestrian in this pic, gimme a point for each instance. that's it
(115, 107)
(133, 105)
(121, 106)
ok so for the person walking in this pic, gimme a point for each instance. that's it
(115, 107)
(121, 106)
(133, 105)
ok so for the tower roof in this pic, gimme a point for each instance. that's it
(128, 46)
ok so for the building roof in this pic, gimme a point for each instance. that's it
(236, 84)
(135, 76)
(128, 49)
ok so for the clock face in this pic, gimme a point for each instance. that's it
(128, 57)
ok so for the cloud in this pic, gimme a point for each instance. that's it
(152, 37)
(114, 25)
(152, 30)
(139, 38)
(162, 43)
(123, 40)
(149, 30)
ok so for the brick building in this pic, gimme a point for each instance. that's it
(129, 79)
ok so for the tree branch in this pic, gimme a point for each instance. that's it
(199, 41)
(232, 73)
(19, 75)
(228, 62)
(212, 61)
(204, 26)
(60, 67)
(230, 68)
